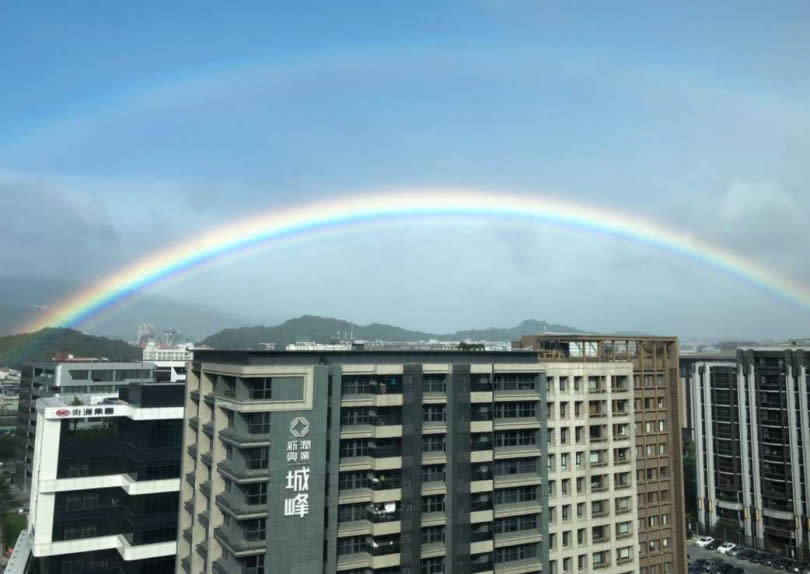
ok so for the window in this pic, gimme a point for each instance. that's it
(433, 443)
(433, 473)
(357, 416)
(515, 495)
(515, 410)
(353, 480)
(514, 382)
(433, 413)
(661, 426)
(515, 524)
(432, 504)
(256, 494)
(254, 529)
(433, 565)
(432, 534)
(256, 458)
(259, 388)
(515, 466)
(259, 423)
(353, 447)
(515, 438)
(351, 545)
(434, 383)
(352, 512)
(356, 385)
(513, 553)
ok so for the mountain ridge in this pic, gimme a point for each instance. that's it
(323, 329)
(43, 345)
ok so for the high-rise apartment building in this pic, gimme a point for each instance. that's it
(67, 379)
(364, 462)
(592, 510)
(752, 439)
(106, 474)
(657, 434)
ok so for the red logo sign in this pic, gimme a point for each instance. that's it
(63, 412)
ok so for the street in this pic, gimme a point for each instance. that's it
(695, 552)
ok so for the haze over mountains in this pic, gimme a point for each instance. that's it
(23, 299)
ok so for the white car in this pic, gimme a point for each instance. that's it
(725, 547)
(704, 541)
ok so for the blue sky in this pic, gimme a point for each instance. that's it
(127, 128)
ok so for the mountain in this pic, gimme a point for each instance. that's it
(15, 350)
(322, 329)
(22, 299)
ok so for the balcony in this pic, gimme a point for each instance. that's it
(244, 438)
(205, 488)
(206, 459)
(208, 428)
(237, 544)
(240, 509)
(194, 422)
(240, 472)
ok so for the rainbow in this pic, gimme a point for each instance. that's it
(358, 210)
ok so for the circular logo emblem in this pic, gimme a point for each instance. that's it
(63, 412)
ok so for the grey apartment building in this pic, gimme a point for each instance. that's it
(656, 439)
(752, 438)
(364, 462)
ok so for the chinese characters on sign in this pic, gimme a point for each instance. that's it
(85, 412)
(298, 459)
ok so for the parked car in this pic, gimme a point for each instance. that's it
(725, 547)
(746, 554)
(737, 570)
(767, 560)
(713, 545)
(782, 563)
(704, 541)
(799, 567)
(735, 551)
(758, 557)
(713, 565)
(697, 565)
(724, 569)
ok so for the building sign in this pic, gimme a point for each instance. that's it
(299, 450)
(76, 412)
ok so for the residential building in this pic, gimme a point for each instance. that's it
(752, 438)
(69, 380)
(364, 462)
(657, 434)
(170, 361)
(104, 497)
(592, 510)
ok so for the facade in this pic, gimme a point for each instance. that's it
(105, 493)
(752, 439)
(657, 434)
(364, 462)
(591, 479)
(66, 379)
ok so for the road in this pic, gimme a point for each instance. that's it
(696, 552)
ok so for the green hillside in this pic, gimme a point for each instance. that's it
(322, 329)
(15, 350)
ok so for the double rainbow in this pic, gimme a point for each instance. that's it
(352, 211)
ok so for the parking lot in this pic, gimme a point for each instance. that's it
(695, 552)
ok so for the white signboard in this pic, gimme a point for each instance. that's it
(299, 449)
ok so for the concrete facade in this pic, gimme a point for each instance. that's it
(413, 462)
(752, 440)
(592, 470)
(657, 406)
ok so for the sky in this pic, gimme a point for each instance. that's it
(128, 128)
